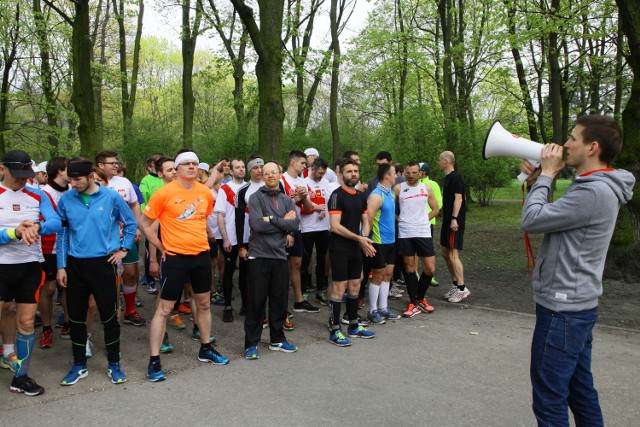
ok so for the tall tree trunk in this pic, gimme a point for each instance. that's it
(449, 101)
(625, 250)
(555, 76)
(404, 69)
(335, 79)
(267, 41)
(98, 72)
(9, 51)
(617, 103)
(189, 37)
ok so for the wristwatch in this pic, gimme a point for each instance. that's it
(124, 249)
(454, 217)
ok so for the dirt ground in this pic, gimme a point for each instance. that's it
(495, 265)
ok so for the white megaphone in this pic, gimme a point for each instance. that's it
(501, 142)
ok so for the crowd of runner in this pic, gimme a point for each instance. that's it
(71, 230)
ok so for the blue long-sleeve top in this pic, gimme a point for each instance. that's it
(92, 230)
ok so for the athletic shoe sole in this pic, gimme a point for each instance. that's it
(26, 393)
(278, 348)
(340, 345)
(213, 362)
(360, 336)
(413, 314)
(155, 380)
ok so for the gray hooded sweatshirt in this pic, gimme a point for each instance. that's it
(578, 229)
(268, 238)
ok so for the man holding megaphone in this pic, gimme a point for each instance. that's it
(567, 280)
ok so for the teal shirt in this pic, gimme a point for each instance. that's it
(383, 229)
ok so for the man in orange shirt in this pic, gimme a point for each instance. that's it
(181, 207)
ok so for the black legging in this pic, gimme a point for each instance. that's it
(321, 240)
(86, 276)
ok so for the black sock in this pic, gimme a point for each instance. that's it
(461, 287)
(455, 283)
(154, 359)
(352, 309)
(46, 328)
(195, 328)
(204, 347)
(411, 281)
(423, 285)
(334, 313)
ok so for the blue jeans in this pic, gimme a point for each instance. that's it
(561, 368)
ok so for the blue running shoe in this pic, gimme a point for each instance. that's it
(217, 299)
(115, 373)
(195, 335)
(166, 347)
(252, 353)
(212, 356)
(375, 318)
(283, 346)
(154, 372)
(360, 332)
(389, 314)
(337, 337)
(60, 321)
(77, 371)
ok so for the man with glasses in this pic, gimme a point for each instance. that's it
(26, 214)
(108, 162)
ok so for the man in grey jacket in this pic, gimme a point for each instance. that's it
(567, 280)
(272, 216)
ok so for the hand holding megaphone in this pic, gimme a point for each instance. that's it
(500, 142)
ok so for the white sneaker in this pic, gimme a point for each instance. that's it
(459, 295)
(395, 293)
(452, 290)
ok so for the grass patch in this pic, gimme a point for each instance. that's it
(514, 192)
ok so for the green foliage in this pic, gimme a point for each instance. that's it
(484, 178)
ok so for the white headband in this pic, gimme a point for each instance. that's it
(183, 157)
(255, 162)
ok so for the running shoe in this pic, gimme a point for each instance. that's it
(337, 337)
(114, 370)
(10, 361)
(395, 293)
(360, 302)
(166, 347)
(459, 295)
(65, 332)
(425, 307)
(212, 356)
(252, 353)
(434, 282)
(151, 289)
(361, 321)
(76, 372)
(265, 323)
(227, 315)
(217, 299)
(321, 297)
(411, 311)
(399, 281)
(176, 322)
(25, 385)
(195, 335)
(389, 314)
(134, 319)
(46, 340)
(184, 308)
(60, 321)
(452, 290)
(375, 318)
(138, 301)
(360, 332)
(288, 324)
(285, 346)
(154, 372)
(305, 307)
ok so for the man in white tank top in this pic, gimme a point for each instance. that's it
(414, 236)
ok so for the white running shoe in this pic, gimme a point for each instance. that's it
(452, 290)
(459, 295)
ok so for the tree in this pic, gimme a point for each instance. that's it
(267, 41)
(189, 36)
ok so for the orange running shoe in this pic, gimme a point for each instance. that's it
(424, 306)
(411, 311)
(288, 324)
(176, 322)
(184, 308)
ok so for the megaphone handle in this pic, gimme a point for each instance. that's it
(523, 176)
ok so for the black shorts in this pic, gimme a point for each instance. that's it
(422, 246)
(451, 239)
(385, 255)
(21, 282)
(213, 248)
(298, 248)
(50, 267)
(180, 269)
(345, 265)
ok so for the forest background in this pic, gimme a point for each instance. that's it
(237, 77)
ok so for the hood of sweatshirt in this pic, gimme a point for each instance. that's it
(620, 181)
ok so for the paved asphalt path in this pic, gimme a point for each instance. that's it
(460, 366)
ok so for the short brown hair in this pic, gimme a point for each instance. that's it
(606, 131)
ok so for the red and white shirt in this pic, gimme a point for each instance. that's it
(226, 204)
(319, 195)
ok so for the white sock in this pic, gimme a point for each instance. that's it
(374, 290)
(384, 295)
(9, 348)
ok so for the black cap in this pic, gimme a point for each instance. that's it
(425, 168)
(19, 164)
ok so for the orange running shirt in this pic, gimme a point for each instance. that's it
(183, 217)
